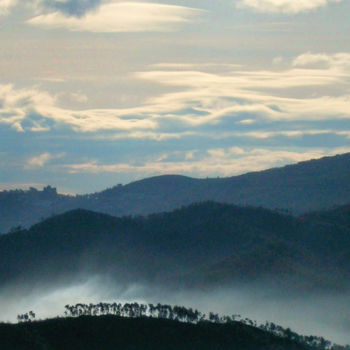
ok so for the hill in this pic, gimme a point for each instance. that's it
(298, 188)
(230, 243)
(113, 332)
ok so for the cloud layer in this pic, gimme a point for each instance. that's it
(304, 92)
(70, 13)
(120, 17)
(230, 121)
(214, 162)
(34, 110)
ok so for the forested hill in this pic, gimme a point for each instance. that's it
(306, 186)
(110, 333)
(137, 331)
(199, 245)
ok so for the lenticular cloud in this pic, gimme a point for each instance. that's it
(121, 17)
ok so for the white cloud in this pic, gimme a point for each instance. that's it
(284, 6)
(323, 61)
(192, 66)
(269, 95)
(146, 135)
(17, 104)
(248, 97)
(39, 161)
(121, 17)
(246, 121)
(263, 134)
(312, 60)
(37, 109)
(5, 6)
(42, 159)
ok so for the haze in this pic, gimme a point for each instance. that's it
(322, 314)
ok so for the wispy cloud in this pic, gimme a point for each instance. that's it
(284, 6)
(42, 159)
(263, 134)
(215, 162)
(35, 110)
(121, 17)
(196, 66)
(269, 95)
(303, 92)
(146, 135)
(16, 105)
(323, 61)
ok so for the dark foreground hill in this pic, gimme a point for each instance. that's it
(306, 186)
(200, 245)
(112, 332)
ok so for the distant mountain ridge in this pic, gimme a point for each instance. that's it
(298, 188)
(200, 245)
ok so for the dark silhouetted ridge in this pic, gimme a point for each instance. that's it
(111, 332)
(205, 243)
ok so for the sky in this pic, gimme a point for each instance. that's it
(94, 93)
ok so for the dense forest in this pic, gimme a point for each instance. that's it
(196, 246)
(140, 326)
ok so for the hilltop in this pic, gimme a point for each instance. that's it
(297, 188)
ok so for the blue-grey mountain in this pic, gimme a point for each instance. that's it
(299, 188)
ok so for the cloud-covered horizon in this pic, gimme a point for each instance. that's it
(256, 114)
(100, 92)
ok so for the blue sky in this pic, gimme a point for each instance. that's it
(95, 93)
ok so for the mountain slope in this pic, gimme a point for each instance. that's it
(207, 243)
(299, 188)
(311, 185)
(111, 332)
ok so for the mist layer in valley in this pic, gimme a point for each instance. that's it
(322, 314)
(259, 263)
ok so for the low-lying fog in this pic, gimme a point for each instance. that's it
(321, 314)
